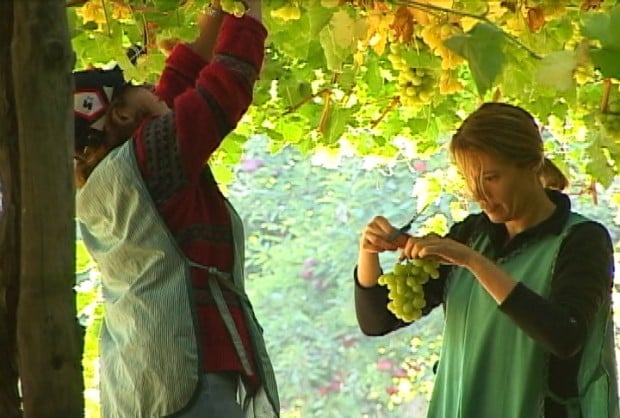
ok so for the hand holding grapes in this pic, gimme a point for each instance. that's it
(445, 250)
(254, 9)
(419, 262)
(376, 236)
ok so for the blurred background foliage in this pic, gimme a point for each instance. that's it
(303, 218)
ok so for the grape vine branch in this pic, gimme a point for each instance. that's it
(482, 18)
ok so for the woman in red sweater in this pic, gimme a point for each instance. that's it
(179, 334)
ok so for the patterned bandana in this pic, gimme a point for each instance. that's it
(94, 91)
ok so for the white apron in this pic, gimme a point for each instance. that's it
(149, 354)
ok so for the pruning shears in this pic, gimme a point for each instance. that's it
(406, 227)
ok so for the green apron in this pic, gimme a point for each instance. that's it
(149, 356)
(489, 368)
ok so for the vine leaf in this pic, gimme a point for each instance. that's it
(292, 90)
(318, 18)
(336, 124)
(167, 5)
(373, 76)
(290, 129)
(606, 60)
(334, 54)
(600, 151)
(344, 29)
(604, 27)
(556, 70)
(482, 47)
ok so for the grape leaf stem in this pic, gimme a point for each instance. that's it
(431, 7)
(325, 113)
(604, 107)
(395, 101)
(107, 17)
(305, 100)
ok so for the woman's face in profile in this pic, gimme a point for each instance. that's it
(501, 187)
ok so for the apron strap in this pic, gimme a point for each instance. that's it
(224, 279)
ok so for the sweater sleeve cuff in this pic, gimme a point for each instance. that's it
(359, 286)
(516, 301)
(232, 30)
(185, 61)
(356, 279)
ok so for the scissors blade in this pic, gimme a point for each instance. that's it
(406, 227)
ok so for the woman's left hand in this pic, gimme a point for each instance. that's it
(446, 250)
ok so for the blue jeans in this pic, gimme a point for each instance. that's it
(216, 398)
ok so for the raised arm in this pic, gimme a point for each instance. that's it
(184, 64)
(223, 91)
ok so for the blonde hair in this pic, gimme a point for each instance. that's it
(507, 132)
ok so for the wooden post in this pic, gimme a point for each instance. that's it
(49, 343)
(9, 223)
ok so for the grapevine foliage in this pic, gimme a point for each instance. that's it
(359, 73)
(236, 8)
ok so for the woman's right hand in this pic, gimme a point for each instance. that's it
(374, 240)
(376, 234)
(254, 9)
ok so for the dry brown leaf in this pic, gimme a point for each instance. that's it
(591, 5)
(535, 18)
(151, 29)
(403, 24)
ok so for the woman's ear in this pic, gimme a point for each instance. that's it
(121, 116)
(536, 166)
(119, 125)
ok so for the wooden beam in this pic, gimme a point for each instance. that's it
(49, 344)
(10, 403)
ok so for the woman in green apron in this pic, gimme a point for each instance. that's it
(525, 285)
(179, 336)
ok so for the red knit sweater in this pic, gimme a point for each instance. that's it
(207, 101)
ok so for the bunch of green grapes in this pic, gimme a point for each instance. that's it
(233, 7)
(584, 73)
(611, 119)
(449, 83)
(416, 85)
(433, 35)
(92, 11)
(611, 123)
(287, 12)
(121, 12)
(361, 4)
(404, 284)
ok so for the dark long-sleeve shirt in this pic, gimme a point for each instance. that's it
(582, 279)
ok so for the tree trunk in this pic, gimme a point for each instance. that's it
(49, 345)
(9, 223)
